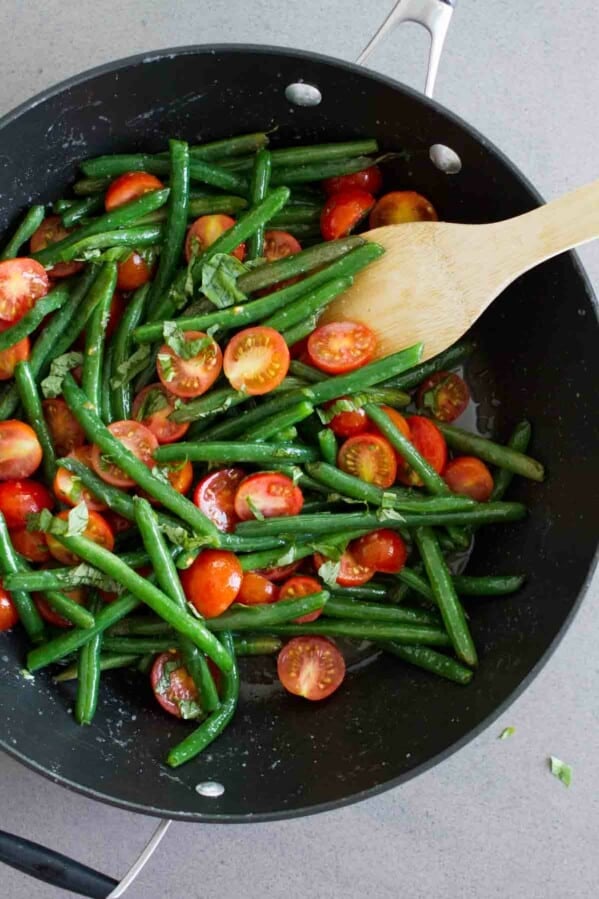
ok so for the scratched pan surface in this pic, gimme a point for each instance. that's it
(537, 359)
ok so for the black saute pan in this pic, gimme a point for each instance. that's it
(537, 359)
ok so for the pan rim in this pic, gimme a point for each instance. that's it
(308, 56)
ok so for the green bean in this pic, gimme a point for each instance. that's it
(80, 318)
(395, 498)
(489, 585)
(121, 397)
(86, 186)
(140, 162)
(134, 237)
(363, 630)
(485, 513)
(10, 563)
(140, 645)
(32, 404)
(156, 599)
(88, 685)
(305, 307)
(300, 331)
(107, 662)
(298, 264)
(176, 223)
(230, 146)
(164, 493)
(252, 618)
(258, 190)
(259, 645)
(302, 231)
(145, 663)
(338, 607)
(69, 609)
(33, 319)
(118, 217)
(388, 396)
(80, 209)
(61, 205)
(72, 640)
(447, 599)
(273, 558)
(101, 294)
(518, 441)
(106, 392)
(488, 451)
(212, 403)
(328, 446)
(296, 215)
(31, 222)
(429, 660)
(234, 452)
(115, 498)
(306, 372)
(415, 582)
(319, 171)
(203, 205)
(447, 359)
(209, 729)
(275, 426)
(168, 580)
(69, 577)
(141, 626)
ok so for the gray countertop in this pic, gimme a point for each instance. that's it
(490, 821)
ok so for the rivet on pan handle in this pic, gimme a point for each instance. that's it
(434, 15)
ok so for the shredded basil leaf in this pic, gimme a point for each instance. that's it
(507, 732)
(386, 514)
(134, 365)
(51, 386)
(254, 509)
(154, 401)
(329, 572)
(181, 345)
(560, 770)
(219, 280)
(77, 520)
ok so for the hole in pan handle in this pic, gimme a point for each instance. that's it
(434, 15)
(64, 872)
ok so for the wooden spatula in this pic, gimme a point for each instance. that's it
(436, 278)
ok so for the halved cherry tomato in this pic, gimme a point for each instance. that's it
(351, 573)
(138, 439)
(30, 544)
(205, 230)
(256, 360)
(444, 394)
(400, 423)
(430, 443)
(340, 347)
(22, 283)
(133, 272)
(347, 424)
(402, 206)
(51, 231)
(68, 488)
(21, 498)
(468, 476)
(268, 493)
(343, 211)
(129, 187)
(383, 550)
(66, 432)
(98, 530)
(20, 450)
(180, 477)
(215, 496)
(8, 613)
(18, 352)
(278, 245)
(369, 457)
(213, 581)
(280, 572)
(119, 524)
(370, 179)
(301, 585)
(174, 687)
(78, 595)
(191, 377)
(299, 350)
(256, 590)
(311, 667)
(152, 407)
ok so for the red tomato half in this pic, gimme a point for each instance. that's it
(47, 612)
(347, 424)
(430, 443)
(311, 667)
(215, 496)
(173, 686)
(133, 272)
(66, 432)
(383, 550)
(340, 347)
(129, 187)
(138, 439)
(97, 530)
(21, 498)
(280, 572)
(444, 395)
(51, 231)
(370, 180)
(18, 352)
(351, 573)
(369, 457)
(278, 245)
(343, 211)
(301, 585)
(468, 476)
(256, 360)
(68, 488)
(20, 450)
(256, 590)
(152, 407)
(30, 544)
(401, 206)
(8, 613)
(213, 581)
(22, 283)
(191, 377)
(268, 493)
(205, 230)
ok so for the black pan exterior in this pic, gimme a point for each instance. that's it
(538, 359)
